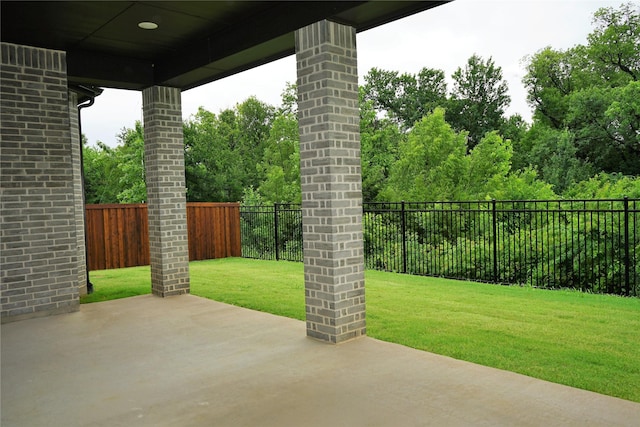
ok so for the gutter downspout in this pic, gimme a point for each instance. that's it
(88, 103)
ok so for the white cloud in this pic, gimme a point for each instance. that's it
(443, 38)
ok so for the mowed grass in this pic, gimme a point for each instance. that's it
(118, 283)
(581, 340)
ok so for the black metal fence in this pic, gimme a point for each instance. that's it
(591, 245)
(271, 232)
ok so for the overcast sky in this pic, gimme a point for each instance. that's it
(443, 38)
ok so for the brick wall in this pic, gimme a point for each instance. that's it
(38, 242)
(331, 182)
(167, 204)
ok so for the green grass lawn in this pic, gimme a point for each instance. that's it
(581, 340)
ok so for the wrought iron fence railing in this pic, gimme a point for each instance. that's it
(591, 245)
(271, 232)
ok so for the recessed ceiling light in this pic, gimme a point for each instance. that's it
(148, 25)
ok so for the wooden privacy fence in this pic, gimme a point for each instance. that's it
(118, 235)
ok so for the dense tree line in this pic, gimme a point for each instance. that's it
(116, 175)
(422, 140)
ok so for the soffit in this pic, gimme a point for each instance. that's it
(196, 42)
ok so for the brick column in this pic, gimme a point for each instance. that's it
(78, 190)
(331, 182)
(38, 243)
(167, 204)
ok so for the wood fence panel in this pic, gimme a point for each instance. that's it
(214, 230)
(136, 236)
(118, 235)
(106, 232)
(95, 239)
(233, 224)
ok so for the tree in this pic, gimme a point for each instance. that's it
(614, 44)
(606, 186)
(606, 122)
(281, 161)
(116, 175)
(254, 120)
(478, 99)
(130, 160)
(623, 117)
(548, 81)
(405, 98)
(213, 168)
(592, 91)
(523, 185)
(563, 168)
(289, 98)
(514, 128)
(222, 151)
(379, 142)
(431, 164)
(101, 174)
(489, 166)
(601, 118)
(554, 157)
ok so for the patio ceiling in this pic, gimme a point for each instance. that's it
(196, 42)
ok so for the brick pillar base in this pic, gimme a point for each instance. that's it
(331, 182)
(167, 204)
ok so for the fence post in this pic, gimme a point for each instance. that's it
(275, 229)
(495, 240)
(626, 246)
(403, 222)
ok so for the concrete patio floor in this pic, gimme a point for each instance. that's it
(189, 361)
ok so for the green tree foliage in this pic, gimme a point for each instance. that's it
(405, 98)
(130, 159)
(553, 152)
(615, 42)
(379, 141)
(523, 185)
(222, 151)
(116, 175)
(514, 129)
(489, 167)
(478, 99)
(598, 138)
(280, 164)
(477, 103)
(605, 186)
(592, 91)
(101, 174)
(254, 120)
(549, 81)
(289, 98)
(213, 168)
(623, 122)
(433, 164)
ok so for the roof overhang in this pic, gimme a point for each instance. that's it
(196, 42)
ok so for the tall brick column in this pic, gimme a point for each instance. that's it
(39, 254)
(166, 193)
(331, 182)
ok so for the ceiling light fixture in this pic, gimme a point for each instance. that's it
(148, 25)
